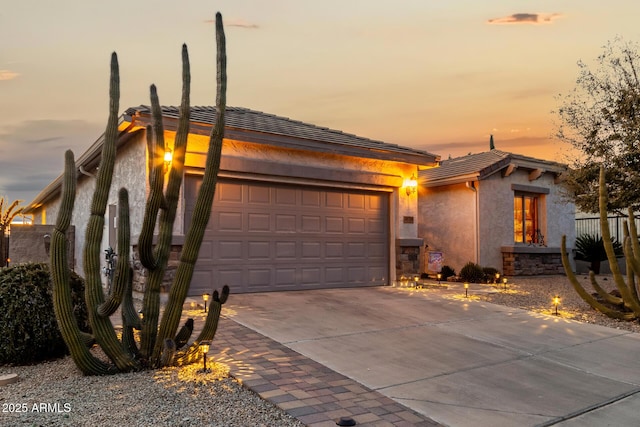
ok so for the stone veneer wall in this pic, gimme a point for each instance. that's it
(140, 273)
(408, 257)
(531, 261)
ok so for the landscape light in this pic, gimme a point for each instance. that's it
(556, 302)
(205, 297)
(497, 277)
(204, 345)
(466, 290)
(504, 281)
(439, 277)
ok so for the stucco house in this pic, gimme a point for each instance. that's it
(496, 209)
(297, 206)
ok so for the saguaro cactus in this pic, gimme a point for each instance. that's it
(124, 352)
(627, 306)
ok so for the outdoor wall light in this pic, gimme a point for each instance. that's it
(411, 185)
(466, 290)
(168, 158)
(204, 345)
(205, 297)
(556, 302)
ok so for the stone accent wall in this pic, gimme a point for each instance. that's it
(408, 257)
(30, 243)
(531, 261)
(140, 273)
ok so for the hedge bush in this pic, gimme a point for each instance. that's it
(28, 328)
(472, 273)
(447, 271)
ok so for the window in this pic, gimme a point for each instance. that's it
(525, 219)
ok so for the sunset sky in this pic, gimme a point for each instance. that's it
(430, 74)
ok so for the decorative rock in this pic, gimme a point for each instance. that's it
(8, 379)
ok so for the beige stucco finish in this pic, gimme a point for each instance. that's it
(473, 221)
(253, 161)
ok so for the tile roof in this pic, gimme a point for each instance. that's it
(257, 121)
(481, 165)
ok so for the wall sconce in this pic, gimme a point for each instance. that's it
(205, 297)
(168, 158)
(411, 185)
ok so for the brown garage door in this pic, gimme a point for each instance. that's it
(270, 237)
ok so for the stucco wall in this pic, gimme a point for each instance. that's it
(130, 172)
(447, 222)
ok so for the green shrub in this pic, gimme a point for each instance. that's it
(489, 274)
(446, 272)
(28, 326)
(472, 272)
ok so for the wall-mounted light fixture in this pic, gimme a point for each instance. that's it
(411, 184)
(168, 158)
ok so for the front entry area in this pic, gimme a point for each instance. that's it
(274, 237)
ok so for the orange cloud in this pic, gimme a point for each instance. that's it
(525, 18)
(8, 75)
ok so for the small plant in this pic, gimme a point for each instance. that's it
(590, 248)
(472, 272)
(489, 274)
(28, 326)
(446, 272)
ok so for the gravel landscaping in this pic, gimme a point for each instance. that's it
(55, 393)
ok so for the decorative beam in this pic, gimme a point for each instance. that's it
(535, 174)
(510, 169)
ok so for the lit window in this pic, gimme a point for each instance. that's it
(525, 219)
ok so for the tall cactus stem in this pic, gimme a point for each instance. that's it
(102, 327)
(629, 301)
(60, 275)
(202, 210)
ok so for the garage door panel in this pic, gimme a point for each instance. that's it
(356, 201)
(229, 192)
(229, 221)
(227, 250)
(286, 223)
(259, 250)
(285, 250)
(334, 224)
(265, 237)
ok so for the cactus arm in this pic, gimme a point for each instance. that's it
(102, 327)
(611, 299)
(76, 341)
(122, 267)
(629, 302)
(208, 332)
(584, 294)
(202, 210)
(155, 199)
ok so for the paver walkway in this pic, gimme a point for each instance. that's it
(306, 389)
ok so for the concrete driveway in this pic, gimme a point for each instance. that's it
(460, 362)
